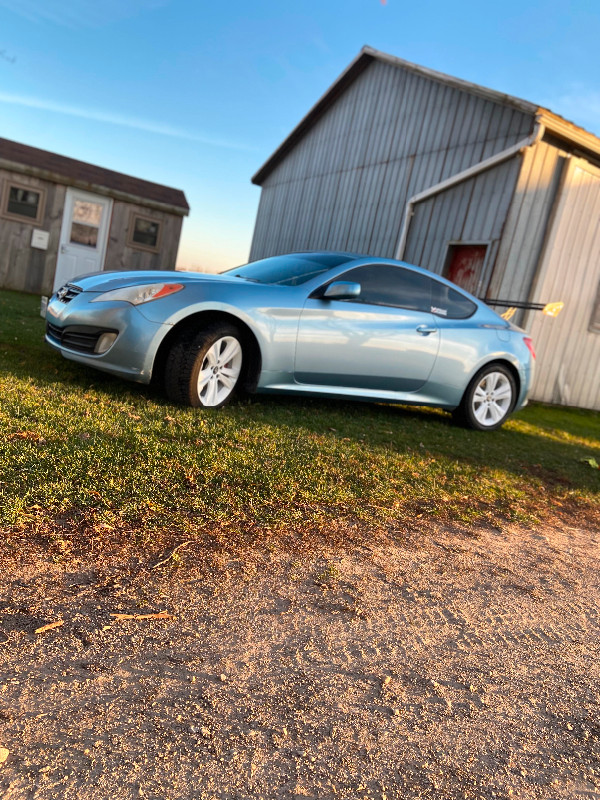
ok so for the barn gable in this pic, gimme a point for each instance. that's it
(390, 133)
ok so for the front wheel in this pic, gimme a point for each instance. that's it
(489, 399)
(204, 369)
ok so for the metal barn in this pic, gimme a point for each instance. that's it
(494, 192)
(60, 218)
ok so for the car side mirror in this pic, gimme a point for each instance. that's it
(341, 290)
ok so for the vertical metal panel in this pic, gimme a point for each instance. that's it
(385, 121)
(568, 364)
(451, 209)
(386, 227)
(323, 209)
(364, 223)
(526, 222)
(346, 197)
(265, 209)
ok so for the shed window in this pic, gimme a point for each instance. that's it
(23, 203)
(144, 233)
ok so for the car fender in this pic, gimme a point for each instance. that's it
(502, 356)
(275, 339)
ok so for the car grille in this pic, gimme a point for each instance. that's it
(82, 338)
(67, 292)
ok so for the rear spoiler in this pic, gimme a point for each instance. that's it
(511, 306)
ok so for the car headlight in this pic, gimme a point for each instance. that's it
(136, 295)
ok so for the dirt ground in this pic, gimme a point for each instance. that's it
(441, 663)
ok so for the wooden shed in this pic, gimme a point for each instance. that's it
(496, 193)
(60, 218)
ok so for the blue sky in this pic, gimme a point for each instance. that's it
(197, 95)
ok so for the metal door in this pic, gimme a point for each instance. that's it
(465, 266)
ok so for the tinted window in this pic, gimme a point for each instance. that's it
(290, 270)
(447, 302)
(385, 285)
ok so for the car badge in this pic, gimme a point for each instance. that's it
(62, 292)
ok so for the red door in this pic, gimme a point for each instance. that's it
(464, 265)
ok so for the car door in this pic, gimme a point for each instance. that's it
(386, 339)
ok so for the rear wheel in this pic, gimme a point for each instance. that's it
(205, 368)
(489, 399)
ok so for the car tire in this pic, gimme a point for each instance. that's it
(488, 400)
(204, 369)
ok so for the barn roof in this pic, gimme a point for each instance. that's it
(69, 171)
(560, 127)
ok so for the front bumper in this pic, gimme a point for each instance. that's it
(73, 328)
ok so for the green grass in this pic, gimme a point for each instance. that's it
(76, 444)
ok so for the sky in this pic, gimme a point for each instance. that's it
(197, 95)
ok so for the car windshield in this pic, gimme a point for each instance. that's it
(289, 270)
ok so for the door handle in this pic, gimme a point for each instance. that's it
(63, 248)
(425, 330)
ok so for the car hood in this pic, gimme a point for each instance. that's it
(106, 281)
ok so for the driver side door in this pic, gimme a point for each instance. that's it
(386, 339)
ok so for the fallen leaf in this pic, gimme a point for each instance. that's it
(50, 626)
(32, 435)
(592, 462)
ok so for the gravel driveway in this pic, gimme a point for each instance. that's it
(436, 663)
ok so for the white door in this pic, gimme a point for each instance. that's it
(83, 236)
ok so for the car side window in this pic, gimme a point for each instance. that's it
(447, 302)
(387, 285)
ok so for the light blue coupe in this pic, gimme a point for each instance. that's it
(327, 324)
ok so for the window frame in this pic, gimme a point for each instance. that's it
(6, 214)
(138, 245)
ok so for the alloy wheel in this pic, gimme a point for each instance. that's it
(492, 399)
(220, 371)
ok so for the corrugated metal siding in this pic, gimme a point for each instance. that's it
(472, 211)
(527, 222)
(391, 134)
(568, 363)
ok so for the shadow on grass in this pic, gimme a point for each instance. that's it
(529, 444)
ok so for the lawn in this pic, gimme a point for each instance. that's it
(77, 446)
